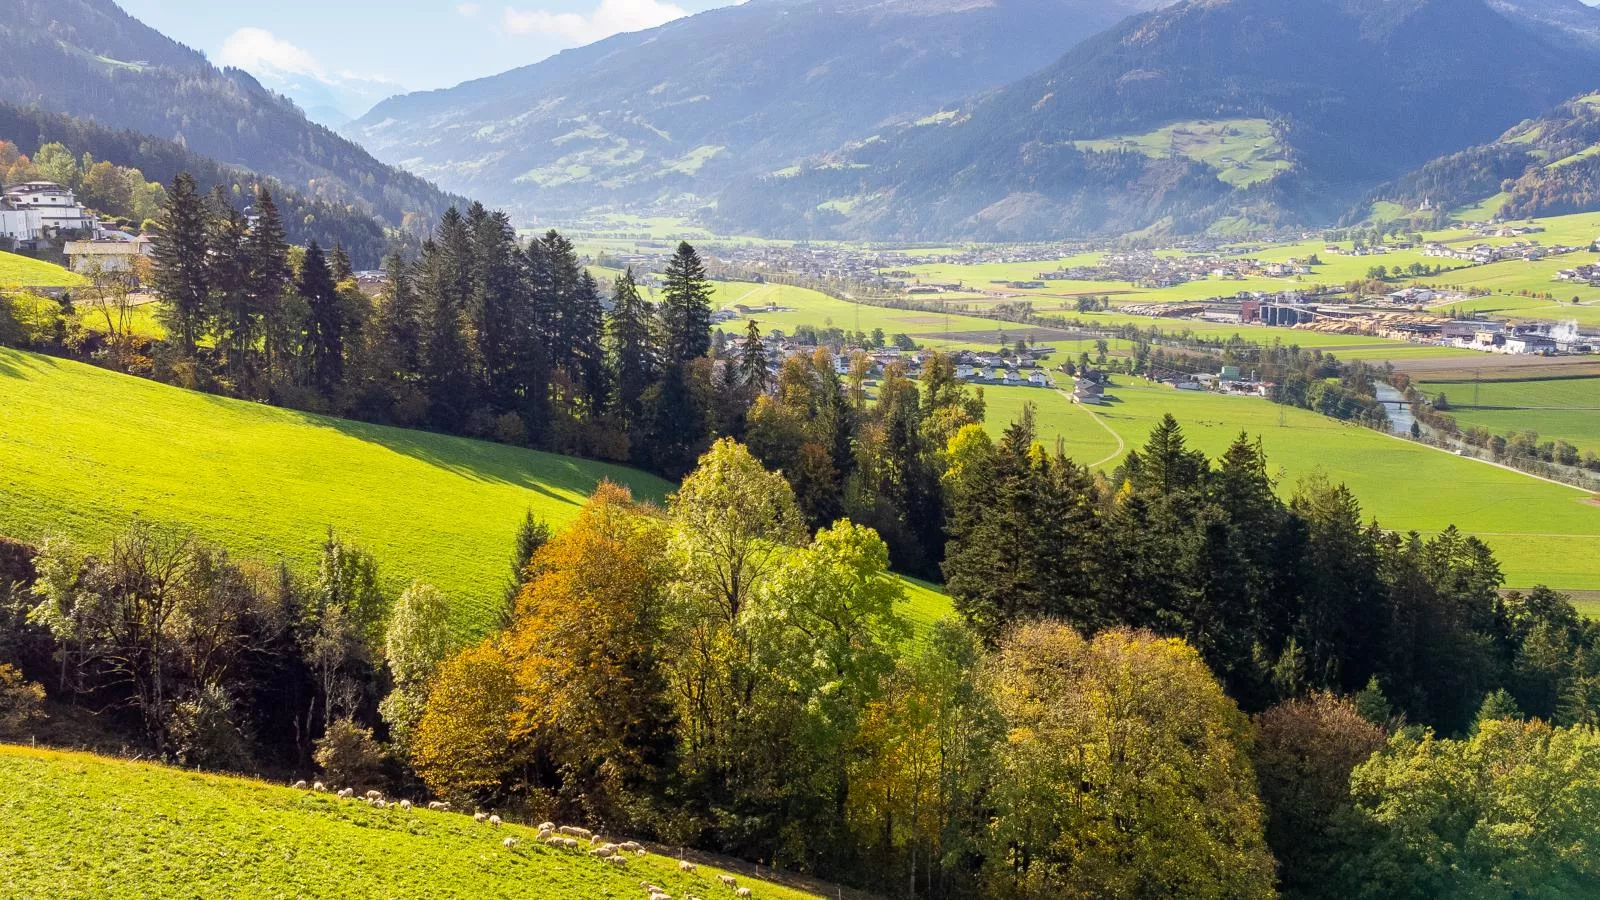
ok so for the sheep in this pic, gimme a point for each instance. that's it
(569, 844)
(629, 846)
(405, 804)
(546, 837)
(494, 822)
(575, 831)
(510, 843)
(603, 851)
(480, 817)
(617, 860)
(299, 785)
(640, 852)
(347, 793)
(660, 895)
(319, 787)
(728, 880)
(685, 866)
(374, 795)
(380, 804)
(742, 892)
(438, 806)
(649, 888)
(547, 826)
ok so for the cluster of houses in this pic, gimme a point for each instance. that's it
(1483, 254)
(1148, 270)
(35, 215)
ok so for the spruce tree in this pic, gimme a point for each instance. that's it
(178, 251)
(445, 284)
(496, 307)
(686, 307)
(587, 352)
(238, 321)
(631, 358)
(325, 321)
(399, 321)
(339, 265)
(753, 361)
(268, 247)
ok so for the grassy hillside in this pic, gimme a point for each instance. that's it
(1243, 151)
(87, 826)
(1541, 532)
(83, 450)
(18, 271)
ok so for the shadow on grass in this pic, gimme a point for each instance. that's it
(546, 474)
(19, 363)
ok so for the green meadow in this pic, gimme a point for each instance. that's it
(89, 826)
(1564, 408)
(22, 271)
(84, 450)
(1541, 532)
(1243, 151)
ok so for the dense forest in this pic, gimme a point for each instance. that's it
(1163, 680)
(91, 60)
(77, 147)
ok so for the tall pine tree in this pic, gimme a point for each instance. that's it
(685, 307)
(325, 322)
(178, 251)
(631, 357)
(268, 247)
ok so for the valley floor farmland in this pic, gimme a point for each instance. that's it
(1541, 532)
(83, 450)
(87, 826)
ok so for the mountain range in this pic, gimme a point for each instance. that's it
(90, 59)
(736, 91)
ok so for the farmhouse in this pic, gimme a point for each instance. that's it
(106, 255)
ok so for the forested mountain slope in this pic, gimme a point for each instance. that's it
(738, 90)
(1545, 166)
(1348, 92)
(88, 58)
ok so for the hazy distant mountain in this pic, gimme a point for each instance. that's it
(88, 58)
(738, 90)
(1209, 111)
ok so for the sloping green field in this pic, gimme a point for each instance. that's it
(1542, 533)
(1557, 408)
(82, 826)
(83, 450)
(24, 271)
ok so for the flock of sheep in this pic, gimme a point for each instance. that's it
(565, 837)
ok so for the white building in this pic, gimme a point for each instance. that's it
(105, 256)
(40, 209)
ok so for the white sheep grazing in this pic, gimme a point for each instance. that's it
(405, 804)
(569, 844)
(575, 831)
(319, 786)
(437, 805)
(494, 821)
(640, 852)
(381, 804)
(649, 888)
(299, 785)
(742, 892)
(728, 880)
(547, 826)
(347, 793)
(685, 866)
(510, 843)
(617, 860)
(629, 846)
(374, 795)
(480, 817)
(607, 850)
(660, 895)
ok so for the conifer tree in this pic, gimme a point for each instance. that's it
(632, 361)
(587, 351)
(686, 307)
(238, 321)
(445, 284)
(324, 327)
(496, 306)
(180, 268)
(268, 247)
(399, 321)
(339, 265)
(753, 361)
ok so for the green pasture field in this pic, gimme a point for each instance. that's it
(79, 825)
(1243, 151)
(1564, 408)
(807, 307)
(1541, 532)
(84, 450)
(23, 271)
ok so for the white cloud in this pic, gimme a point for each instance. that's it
(610, 17)
(468, 9)
(258, 48)
(330, 97)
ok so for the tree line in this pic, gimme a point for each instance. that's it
(1168, 682)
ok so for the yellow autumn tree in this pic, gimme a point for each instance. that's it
(462, 745)
(1124, 772)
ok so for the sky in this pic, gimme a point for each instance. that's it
(337, 58)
